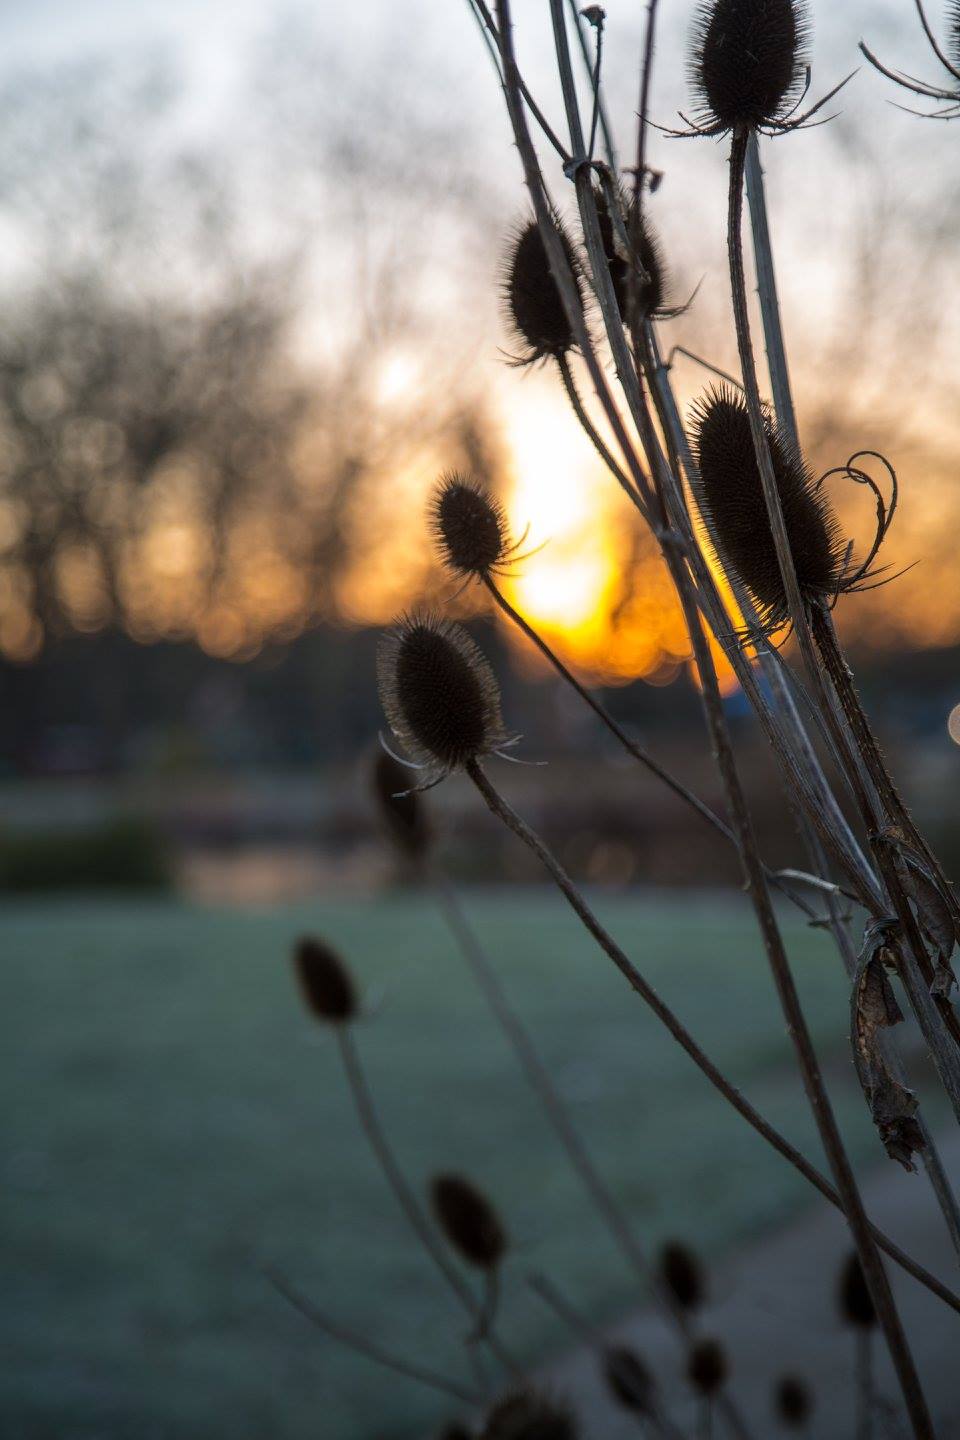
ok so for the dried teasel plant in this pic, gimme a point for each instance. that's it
(793, 1402)
(773, 530)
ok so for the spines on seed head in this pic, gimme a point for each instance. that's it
(729, 494)
(748, 61)
(439, 694)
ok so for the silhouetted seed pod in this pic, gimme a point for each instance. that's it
(439, 694)
(628, 1378)
(529, 1416)
(793, 1401)
(856, 1306)
(650, 293)
(531, 299)
(953, 32)
(468, 1220)
(325, 981)
(402, 810)
(468, 525)
(707, 1367)
(730, 497)
(683, 1275)
(747, 64)
(455, 1431)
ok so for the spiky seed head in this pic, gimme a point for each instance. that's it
(856, 1306)
(649, 293)
(469, 526)
(793, 1401)
(729, 494)
(683, 1275)
(468, 1220)
(529, 1415)
(628, 1378)
(953, 32)
(707, 1367)
(455, 1431)
(748, 61)
(531, 298)
(402, 809)
(439, 694)
(325, 982)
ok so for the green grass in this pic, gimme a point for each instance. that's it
(173, 1119)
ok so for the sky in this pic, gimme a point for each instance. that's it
(848, 202)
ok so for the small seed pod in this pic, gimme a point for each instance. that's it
(455, 1431)
(682, 1275)
(730, 497)
(468, 1220)
(402, 809)
(707, 1367)
(628, 1379)
(793, 1401)
(856, 1306)
(532, 303)
(325, 981)
(528, 1415)
(747, 62)
(650, 288)
(469, 527)
(439, 694)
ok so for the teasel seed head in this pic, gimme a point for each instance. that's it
(402, 809)
(748, 61)
(325, 982)
(707, 1367)
(953, 32)
(469, 526)
(729, 494)
(455, 1431)
(793, 1401)
(628, 1379)
(439, 694)
(468, 1220)
(532, 303)
(683, 1275)
(650, 294)
(856, 1306)
(528, 1415)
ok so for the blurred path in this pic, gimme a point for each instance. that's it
(773, 1306)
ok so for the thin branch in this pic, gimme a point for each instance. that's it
(353, 1340)
(403, 1191)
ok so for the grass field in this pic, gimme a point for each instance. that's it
(173, 1120)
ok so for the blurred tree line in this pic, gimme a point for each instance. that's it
(211, 401)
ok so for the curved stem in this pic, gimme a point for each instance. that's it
(500, 807)
(403, 1191)
(353, 1340)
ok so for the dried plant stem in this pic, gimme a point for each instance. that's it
(538, 1076)
(875, 1276)
(576, 404)
(353, 1340)
(786, 418)
(404, 1193)
(505, 812)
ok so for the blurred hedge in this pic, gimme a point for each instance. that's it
(122, 853)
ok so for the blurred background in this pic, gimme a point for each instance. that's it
(250, 263)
